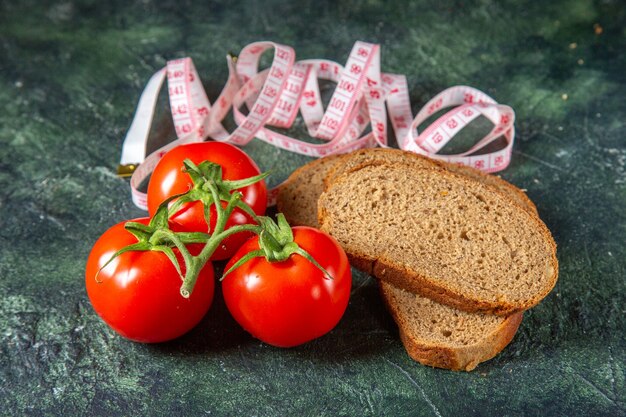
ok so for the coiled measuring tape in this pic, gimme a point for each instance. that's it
(276, 95)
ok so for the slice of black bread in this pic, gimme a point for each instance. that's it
(432, 334)
(441, 235)
(445, 337)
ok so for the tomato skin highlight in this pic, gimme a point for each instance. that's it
(138, 293)
(168, 179)
(289, 303)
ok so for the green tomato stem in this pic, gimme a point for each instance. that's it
(276, 242)
(210, 189)
(171, 236)
(219, 210)
(237, 229)
(195, 264)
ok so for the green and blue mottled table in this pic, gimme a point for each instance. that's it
(70, 76)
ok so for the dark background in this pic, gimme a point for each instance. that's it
(70, 77)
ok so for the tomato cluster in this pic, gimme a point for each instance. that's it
(133, 273)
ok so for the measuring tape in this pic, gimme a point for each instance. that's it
(276, 95)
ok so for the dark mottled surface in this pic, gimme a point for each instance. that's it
(70, 76)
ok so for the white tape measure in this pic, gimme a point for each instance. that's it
(276, 95)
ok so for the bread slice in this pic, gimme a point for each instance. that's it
(396, 156)
(433, 334)
(444, 337)
(441, 235)
(297, 197)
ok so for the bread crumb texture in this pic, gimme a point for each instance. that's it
(463, 236)
(444, 337)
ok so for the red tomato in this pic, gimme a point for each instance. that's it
(139, 292)
(291, 302)
(168, 179)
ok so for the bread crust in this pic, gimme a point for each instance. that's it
(380, 153)
(512, 192)
(456, 358)
(283, 189)
(500, 185)
(412, 281)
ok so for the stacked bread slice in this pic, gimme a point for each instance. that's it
(459, 254)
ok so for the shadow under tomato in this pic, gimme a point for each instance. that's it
(216, 332)
(365, 329)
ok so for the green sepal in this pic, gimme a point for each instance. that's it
(276, 245)
(192, 170)
(211, 171)
(250, 255)
(162, 215)
(139, 246)
(237, 184)
(286, 232)
(188, 197)
(141, 231)
(169, 252)
(309, 258)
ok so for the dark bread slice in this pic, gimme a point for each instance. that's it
(444, 337)
(297, 197)
(441, 235)
(395, 156)
(472, 338)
